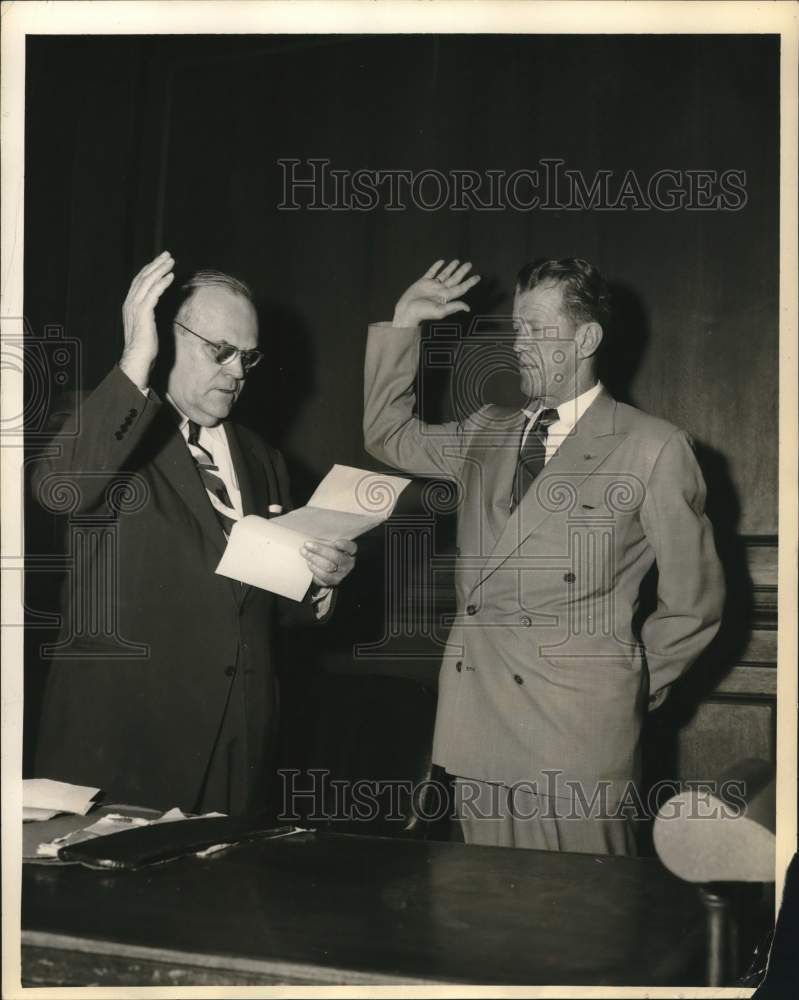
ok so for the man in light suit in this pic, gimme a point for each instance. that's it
(176, 704)
(565, 506)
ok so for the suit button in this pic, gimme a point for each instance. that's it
(230, 671)
(518, 679)
(119, 435)
(526, 620)
(471, 610)
(132, 413)
(569, 577)
(459, 665)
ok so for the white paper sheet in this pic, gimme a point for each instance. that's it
(54, 797)
(266, 552)
(316, 522)
(356, 491)
(29, 814)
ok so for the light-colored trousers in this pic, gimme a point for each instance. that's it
(494, 815)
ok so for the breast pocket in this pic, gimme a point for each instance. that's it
(609, 495)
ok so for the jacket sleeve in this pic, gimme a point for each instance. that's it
(690, 594)
(93, 438)
(392, 432)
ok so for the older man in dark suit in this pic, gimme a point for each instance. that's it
(566, 505)
(188, 719)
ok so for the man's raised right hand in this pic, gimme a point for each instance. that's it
(435, 295)
(138, 315)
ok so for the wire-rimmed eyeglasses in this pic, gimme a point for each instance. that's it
(224, 353)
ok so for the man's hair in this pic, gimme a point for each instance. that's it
(209, 279)
(586, 296)
(202, 279)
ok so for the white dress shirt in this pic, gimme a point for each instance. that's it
(568, 415)
(214, 440)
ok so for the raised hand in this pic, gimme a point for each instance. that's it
(138, 316)
(435, 295)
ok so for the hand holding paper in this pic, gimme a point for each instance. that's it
(330, 562)
(268, 553)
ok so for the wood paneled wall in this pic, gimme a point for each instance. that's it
(724, 709)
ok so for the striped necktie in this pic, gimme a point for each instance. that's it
(213, 482)
(532, 456)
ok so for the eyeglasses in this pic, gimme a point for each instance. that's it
(226, 354)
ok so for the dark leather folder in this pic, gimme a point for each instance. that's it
(149, 845)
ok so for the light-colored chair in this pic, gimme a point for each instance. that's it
(721, 833)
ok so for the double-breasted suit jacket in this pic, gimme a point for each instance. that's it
(152, 639)
(544, 679)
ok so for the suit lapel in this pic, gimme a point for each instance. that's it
(175, 461)
(495, 459)
(592, 439)
(243, 472)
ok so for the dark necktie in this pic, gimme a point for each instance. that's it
(532, 456)
(214, 484)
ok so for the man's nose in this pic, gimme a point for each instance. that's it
(236, 368)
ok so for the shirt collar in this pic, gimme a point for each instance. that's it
(183, 421)
(570, 411)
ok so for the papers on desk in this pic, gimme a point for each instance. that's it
(126, 837)
(347, 503)
(43, 798)
(112, 822)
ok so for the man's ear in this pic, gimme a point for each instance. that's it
(588, 338)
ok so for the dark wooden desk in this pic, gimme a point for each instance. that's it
(334, 909)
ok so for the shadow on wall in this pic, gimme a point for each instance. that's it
(662, 729)
(626, 342)
(623, 353)
(619, 362)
